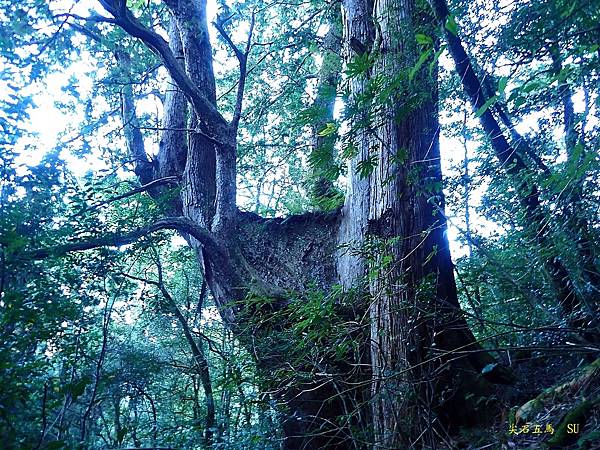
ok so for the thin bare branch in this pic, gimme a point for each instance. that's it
(145, 187)
(242, 57)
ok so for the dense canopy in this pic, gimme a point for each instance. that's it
(307, 224)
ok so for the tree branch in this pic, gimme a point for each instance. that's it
(133, 136)
(220, 28)
(92, 18)
(243, 61)
(183, 225)
(200, 360)
(213, 122)
(145, 187)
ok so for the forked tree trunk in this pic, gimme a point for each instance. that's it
(393, 216)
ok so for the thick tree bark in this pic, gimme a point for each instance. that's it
(397, 210)
(199, 174)
(359, 31)
(395, 215)
(172, 150)
(287, 257)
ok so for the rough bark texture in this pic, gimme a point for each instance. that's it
(199, 171)
(291, 253)
(359, 31)
(172, 152)
(404, 219)
(395, 210)
(399, 221)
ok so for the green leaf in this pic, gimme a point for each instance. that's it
(423, 39)
(329, 129)
(435, 59)
(349, 151)
(121, 434)
(577, 152)
(78, 388)
(490, 101)
(563, 74)
(359, 65)
(593, 48)
(365, 167)
(418, 65)
(531, 86)
(502, 84)
(13, 241)
(519, 101)
(567, 12)
(400, 157)
(451, 25)
(136, 4)
(386, 260)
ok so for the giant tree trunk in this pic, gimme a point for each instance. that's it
(395, 214)
(392, 218)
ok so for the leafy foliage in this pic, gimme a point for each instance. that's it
(93, 354)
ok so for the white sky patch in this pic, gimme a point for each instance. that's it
(50, 125)
(177, 241)
(452, 152)
(530, 123)
(210, 314)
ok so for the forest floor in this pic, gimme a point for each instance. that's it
(563, 415)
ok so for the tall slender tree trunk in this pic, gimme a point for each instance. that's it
(580, 311)
(322, 158)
